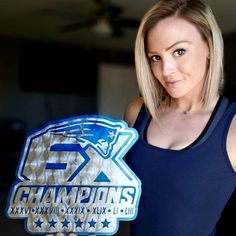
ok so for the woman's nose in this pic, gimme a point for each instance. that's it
(168, 67)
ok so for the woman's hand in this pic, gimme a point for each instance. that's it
(61, 234)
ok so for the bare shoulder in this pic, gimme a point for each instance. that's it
(132, 110)
(231, 141)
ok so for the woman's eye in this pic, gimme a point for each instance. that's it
(155, 58)
(179, 52)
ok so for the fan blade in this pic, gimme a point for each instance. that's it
(102, 2)
(67, 14)
(129, 23)
(76, 26)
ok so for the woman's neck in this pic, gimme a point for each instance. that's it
(186, 105)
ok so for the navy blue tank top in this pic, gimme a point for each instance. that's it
(183, 191)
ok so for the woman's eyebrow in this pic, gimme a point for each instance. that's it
(174, 44)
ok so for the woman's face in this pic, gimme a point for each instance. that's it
(178, 56)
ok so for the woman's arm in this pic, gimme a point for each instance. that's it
(60, 234)
(132, 110)
(231, 143)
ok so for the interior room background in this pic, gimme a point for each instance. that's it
(43, 80)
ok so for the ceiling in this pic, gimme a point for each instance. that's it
(41, 20)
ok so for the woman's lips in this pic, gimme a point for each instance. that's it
(172, 83)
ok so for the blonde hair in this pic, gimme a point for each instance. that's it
(199, 14)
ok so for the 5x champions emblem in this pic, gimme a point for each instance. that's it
(72, 178)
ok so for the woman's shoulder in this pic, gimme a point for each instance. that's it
(132, 110)
(231, 139)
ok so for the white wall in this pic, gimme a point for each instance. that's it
(117, 88)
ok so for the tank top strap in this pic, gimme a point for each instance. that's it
(224, 105)
(142, 120)
(224, 111)
(228, 117)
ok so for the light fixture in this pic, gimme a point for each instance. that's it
(102, 27)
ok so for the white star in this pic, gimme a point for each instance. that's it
(111, 134)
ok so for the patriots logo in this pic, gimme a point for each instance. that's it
(102, 140)
(72, 177)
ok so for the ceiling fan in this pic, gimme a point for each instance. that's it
(106, 20)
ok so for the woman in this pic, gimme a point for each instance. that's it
(186, 154)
